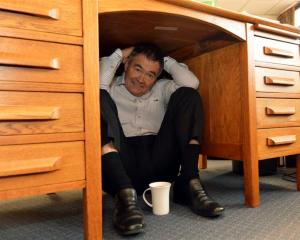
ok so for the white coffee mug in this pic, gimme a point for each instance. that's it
(160, 192)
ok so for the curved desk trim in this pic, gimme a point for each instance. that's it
(235, 28)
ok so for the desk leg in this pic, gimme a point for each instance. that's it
(202, 161)
(298, 172)
(92, 200)
(251, 182)
(92, 192)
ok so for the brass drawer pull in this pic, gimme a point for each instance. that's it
(52, 13)
(26, 112)
(278, 52)
(281, 140)
(29, 166)
(279, 81)
(10, 59)
(280, 110)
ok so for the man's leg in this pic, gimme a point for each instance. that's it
(113, 172)
(178, 143)
(128, 217)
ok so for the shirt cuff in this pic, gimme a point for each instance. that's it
(118, 53)
(168, 62)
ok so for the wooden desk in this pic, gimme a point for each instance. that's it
(49, 128)
(248, 69)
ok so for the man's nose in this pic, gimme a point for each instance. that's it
(141, 78)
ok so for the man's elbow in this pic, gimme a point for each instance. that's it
(195, 83)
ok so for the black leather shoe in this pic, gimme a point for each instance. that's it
(128, 217)
(194, 195)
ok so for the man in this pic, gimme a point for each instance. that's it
(150, 129)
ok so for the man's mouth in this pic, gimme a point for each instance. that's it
(138, 85)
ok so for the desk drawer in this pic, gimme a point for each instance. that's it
(55, 16)
(267, 50)
(277, 112)
(39, 113)
(278, 142)
(273, 80)
(23, 166)
(34, 61)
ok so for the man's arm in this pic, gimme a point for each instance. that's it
(180, 73)
(182, 77)
(109, 66)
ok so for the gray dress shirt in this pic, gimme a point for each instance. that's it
(143, 115)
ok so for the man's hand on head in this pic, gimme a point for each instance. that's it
(126, 52)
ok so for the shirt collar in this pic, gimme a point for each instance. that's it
(120, 80)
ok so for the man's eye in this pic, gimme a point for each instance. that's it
(137, 69)
(150, 76)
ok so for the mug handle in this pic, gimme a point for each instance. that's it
(145, 200)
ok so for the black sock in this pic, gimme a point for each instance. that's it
(114, 176)
(189, 162)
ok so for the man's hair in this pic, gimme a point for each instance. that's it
(151, 51)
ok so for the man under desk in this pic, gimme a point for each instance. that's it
(151, 130)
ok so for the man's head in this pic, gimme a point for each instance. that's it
(143, 67)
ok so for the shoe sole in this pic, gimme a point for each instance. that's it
(131, 232)
(206, 214)
(200, 213)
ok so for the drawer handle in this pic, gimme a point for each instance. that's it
(280, 110)
(14, 113)
(281, 140)
(278, 52)
(52, 13)
(10, 59)
(29, 166)
(279, 81)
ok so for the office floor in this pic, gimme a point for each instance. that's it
(59, 217)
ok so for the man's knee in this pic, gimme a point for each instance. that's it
(188, 93)
(186, 96)
(105, 97)
(187, 90)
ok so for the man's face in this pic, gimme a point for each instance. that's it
(140, 74)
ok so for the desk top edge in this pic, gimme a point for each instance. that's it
(106, 5)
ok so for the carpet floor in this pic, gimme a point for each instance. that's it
(59, 216)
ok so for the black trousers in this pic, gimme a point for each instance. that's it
(156, 157)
